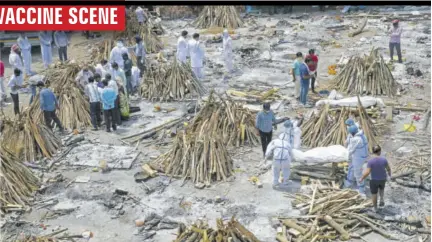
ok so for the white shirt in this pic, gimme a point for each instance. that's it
(102, 70)
(91, 90)
(135, 76)
(196, 53)
(15, 61)
(182, 49)
(82, 77)
(15, 83)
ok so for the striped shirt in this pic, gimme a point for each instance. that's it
(264, 121)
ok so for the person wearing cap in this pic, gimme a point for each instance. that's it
(128, 74)
(61, 41)
(358, 153)
(25, 47)
(117, 53)
(395, 38)
(83, 76)
(91, 91)
(14, 58)
(2, 88)
(182, 47)
(49, 104)
(45, 39)
(196, 52)
(227, 51)
(296, 73)
(377, 167)
(14, 84)
(349, 122)
(265, 121)
(140, 53)
(313, 65)
(281, 151)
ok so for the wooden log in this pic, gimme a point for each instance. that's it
(373, 227)
(146, 168)
(403, 174)
(344, 234)
(358, 31)
(292, 224)
(281, 238)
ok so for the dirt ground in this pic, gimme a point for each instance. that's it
(85, 206)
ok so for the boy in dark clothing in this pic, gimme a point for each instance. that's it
(377, 167)
(265, 121)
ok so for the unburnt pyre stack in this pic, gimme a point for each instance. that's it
(367, 75)
(219, 16)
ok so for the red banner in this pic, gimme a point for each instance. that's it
(39, 18)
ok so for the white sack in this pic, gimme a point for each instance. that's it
(352, 102)
(33, 80)
(334, 95)
(320, 155)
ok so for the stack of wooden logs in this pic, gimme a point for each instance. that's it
(328, 126)
(230, 231)
(330, 214)
(367, 75)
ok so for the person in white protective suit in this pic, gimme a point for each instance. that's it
(25, 47)
(297, 132)
(182, 47)
(282, 154)
(140, 15)
(196, 52)
(349, 122)
(135, 77)
(358, 153)
(45, 38)
(289, 131)
(227, 51)
(14, 58)
(117, 52)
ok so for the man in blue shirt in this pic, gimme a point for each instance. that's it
(305, 78)
(109, 97)
(265, 121)
(49, 104)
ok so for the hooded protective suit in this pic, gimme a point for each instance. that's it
(196, 53)
(25, 47)
(281, 151)
(46, 50)
(140, 15)
(15, 60)
(358, 153)
(227, 51)
(297, 135)
(182, 49)
(116, 54)
(350, 122)
(289, 131)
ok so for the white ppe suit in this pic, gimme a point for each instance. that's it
(25, 47)
(116, 54)
(182, 49)
(45, 40)
(358, 153)
(196, 53)
(281, 151)
(227, 51)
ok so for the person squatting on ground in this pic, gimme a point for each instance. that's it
(91, 91)
(45, 39)
(395, 38)
(357, 153)
(377, 167)
(313, 66)
(49, 104)
(128, 73)
(182, 47)
(265, 121)
(61, 41)
(296, 74)
(281, 151)
(305, 77)
(196, 53)
(14, 84)
(227, 51)
(108, 98)
(25, 47)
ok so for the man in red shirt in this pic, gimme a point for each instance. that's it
(313, 67)
(2, 88)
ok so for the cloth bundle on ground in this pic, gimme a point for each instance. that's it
(33, 80)
(352, 102)
(321, 155)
